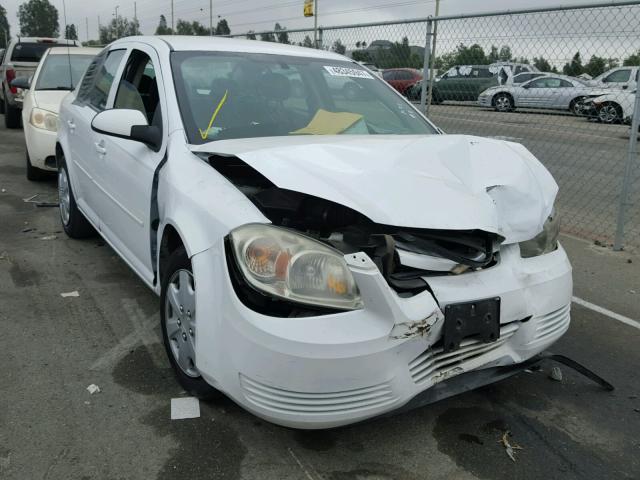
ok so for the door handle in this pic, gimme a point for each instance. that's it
(100, 147)
(71, 125)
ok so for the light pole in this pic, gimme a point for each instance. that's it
(315, 23)
(211, 18)
(117, 25)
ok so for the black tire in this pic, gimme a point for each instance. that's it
(2, 102)
(194, 383)
(77, 225)
(34, 174)
(503, 102)
(576, 106)
(11, 115)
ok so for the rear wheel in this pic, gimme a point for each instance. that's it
(2, 102)
(610, 113)
(577, 106)
(503, 102)
(73, 220)
(179, 326)
(34, 174)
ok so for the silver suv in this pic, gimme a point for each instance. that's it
(20, 60)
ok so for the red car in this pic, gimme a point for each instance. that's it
(402, 78)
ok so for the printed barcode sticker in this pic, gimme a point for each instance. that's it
(347, 72)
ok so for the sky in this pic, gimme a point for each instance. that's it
(257, 15)
(557, 36)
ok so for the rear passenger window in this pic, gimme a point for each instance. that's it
(98, 93)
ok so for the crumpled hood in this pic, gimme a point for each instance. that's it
(453, 182)
(49, 100)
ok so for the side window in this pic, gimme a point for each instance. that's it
(99, 91)
(389, 75)
(618, 76)
(565, 84)
(538, 83)
(138, 88)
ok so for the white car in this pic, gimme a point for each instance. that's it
(320, 258)
(612, 107)
(57, 74)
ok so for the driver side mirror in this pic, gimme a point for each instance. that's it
(128, 124)
(21, 82)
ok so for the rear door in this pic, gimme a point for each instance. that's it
(128, 167)
(92, 97)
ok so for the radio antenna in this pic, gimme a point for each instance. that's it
(66, 31)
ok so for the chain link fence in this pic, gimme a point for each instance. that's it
(562, 82)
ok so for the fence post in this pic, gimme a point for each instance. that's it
(426, 71)
(628, 172)
(319, 44)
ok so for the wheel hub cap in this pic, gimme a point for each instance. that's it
(180, 320)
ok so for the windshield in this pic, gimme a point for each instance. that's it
(62, 72)
(31, 52)
(231, 95)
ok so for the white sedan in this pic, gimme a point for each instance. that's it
(321, 258)
(58, 72)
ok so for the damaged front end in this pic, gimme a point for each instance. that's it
(404, 256)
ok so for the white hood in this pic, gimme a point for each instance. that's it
(453, 182)
(49, 100)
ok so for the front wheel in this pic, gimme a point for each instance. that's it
(577, 106)
(179, 325)
(503, 102)
(610, 113)
(11, 115)
(74, 222)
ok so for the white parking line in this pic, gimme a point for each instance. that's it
(608, 313)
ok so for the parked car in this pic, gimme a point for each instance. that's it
(298, 269)
(20, 60)
(625, 78)
(612, 107)
(557, 92)
(59, 71)
(402, 79)
(465, 82)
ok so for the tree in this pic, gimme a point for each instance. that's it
(251, 35)
(339, 47)
(281, 34)
(632, 60)
(162, 28)
(307, 42)
(505, 54)
(595, 66)
(473, 55)
(267, 37)
(38, 18)
(5, 30)
(222, 28)
(541, 64)
(91, 43)
(494, 54)
(70, 32)
(118, 27)
(184, 28)
(574, 68)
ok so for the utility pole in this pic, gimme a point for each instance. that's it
(98, 28)
(211, 18)
(86, 23)
(315, 23)
(172, 31)
(433, 55)
(117, 24)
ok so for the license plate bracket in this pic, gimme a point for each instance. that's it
(476, 318)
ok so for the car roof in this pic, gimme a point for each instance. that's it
(44, 40)
(225, 44)
(74, 51)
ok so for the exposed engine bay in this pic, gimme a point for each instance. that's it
(403, 255)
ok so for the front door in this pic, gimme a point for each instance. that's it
(128, 166)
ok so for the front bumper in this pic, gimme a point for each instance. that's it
(332, 370)
(485, 100)
(41, 144)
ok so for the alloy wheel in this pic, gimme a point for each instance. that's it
(180, 320)
(608, 114)
(503, 103)
(64, 196)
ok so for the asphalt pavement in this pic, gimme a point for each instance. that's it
(53, 347)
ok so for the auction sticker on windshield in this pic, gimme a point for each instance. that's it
(347, 72)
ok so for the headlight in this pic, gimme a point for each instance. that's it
(546, 241)
(292, 266)
(44, 119)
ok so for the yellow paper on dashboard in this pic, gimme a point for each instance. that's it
(329, 123)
